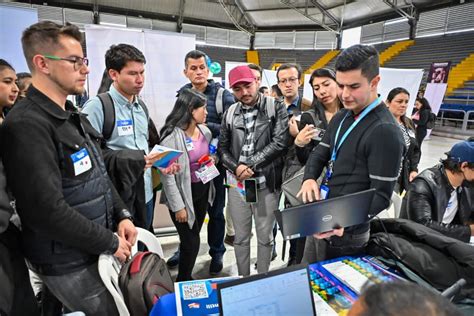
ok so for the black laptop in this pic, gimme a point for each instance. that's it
(280, 292)
(321, 216)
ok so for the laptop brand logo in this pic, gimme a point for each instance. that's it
(327, 218)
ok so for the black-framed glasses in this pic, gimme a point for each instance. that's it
(290, 80)
(77, 61)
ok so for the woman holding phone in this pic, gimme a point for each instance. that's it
(186, 196)
(325, 105)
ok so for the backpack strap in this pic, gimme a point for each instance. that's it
(229, 115)
(144, 107)
(313, 116)
(270, 107)
(220, 102)
(108, 108)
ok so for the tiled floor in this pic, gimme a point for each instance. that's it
(432, 150)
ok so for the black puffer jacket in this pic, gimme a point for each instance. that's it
(427, 198)
(436, 258)
(271, 139)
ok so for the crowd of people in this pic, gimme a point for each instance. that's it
(71, 177)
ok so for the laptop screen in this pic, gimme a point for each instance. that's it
(280, 292)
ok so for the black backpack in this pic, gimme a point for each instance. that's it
(431, 121)
(144, 280)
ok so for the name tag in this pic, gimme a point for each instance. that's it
(125, 127)
(189, 144)
(207, 172)
(81, 161)
(323, 192)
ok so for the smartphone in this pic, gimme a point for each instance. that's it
(319, 133)
(250, 190)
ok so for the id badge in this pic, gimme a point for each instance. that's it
(81, 161)
(324, 191)
(125, 127)
(207, 172)
(189, 144)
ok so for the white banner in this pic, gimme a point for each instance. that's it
(13, 21)
(434, 93)
(390, 78)
(164, 53)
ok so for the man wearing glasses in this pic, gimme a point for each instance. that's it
(54, 168)
(126, 67)
(288, 76)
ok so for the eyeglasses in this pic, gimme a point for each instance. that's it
(77, 61)
(290, 80)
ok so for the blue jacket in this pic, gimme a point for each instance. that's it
(213, 119)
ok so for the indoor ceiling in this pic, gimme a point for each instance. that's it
(261, 15)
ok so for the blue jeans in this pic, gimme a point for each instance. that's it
(83, 291)
(216, 225)
(150, 209)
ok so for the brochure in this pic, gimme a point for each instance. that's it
(167, 156)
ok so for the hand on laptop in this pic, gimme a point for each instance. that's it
(309, 191)
(335, 232)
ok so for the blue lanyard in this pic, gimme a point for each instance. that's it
(349, 130)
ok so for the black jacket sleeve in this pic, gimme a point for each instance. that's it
(33, 174)
(419, 209)
(415, 154)
(424, 117)
(280, 136)
(225, 145)
(384, 150)
(302, 153)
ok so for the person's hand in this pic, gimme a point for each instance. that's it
(172, 169)
(181, 216)
(243, 172)
(335, 232)
(305, 135)
(150, 159)
(293, 126)
(309, 191)
(412, 176)
(127, 230)
(123, 250)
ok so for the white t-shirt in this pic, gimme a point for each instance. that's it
(451, 209)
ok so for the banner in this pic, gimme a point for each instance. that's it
(13, 21)
(164, 53)
(390, 78)
(439, 72)
(436, 86)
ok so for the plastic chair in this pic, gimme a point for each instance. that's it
(109, 268)
(149, 240)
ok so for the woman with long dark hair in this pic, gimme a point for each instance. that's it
(421, 118)
(325, 105)
(185, 195)
(397, 102)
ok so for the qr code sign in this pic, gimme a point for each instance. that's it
(195, 291)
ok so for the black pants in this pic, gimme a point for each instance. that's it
(420, 135)
(189, 237)
(16, 294)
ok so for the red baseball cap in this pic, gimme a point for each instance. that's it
(240, 74)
